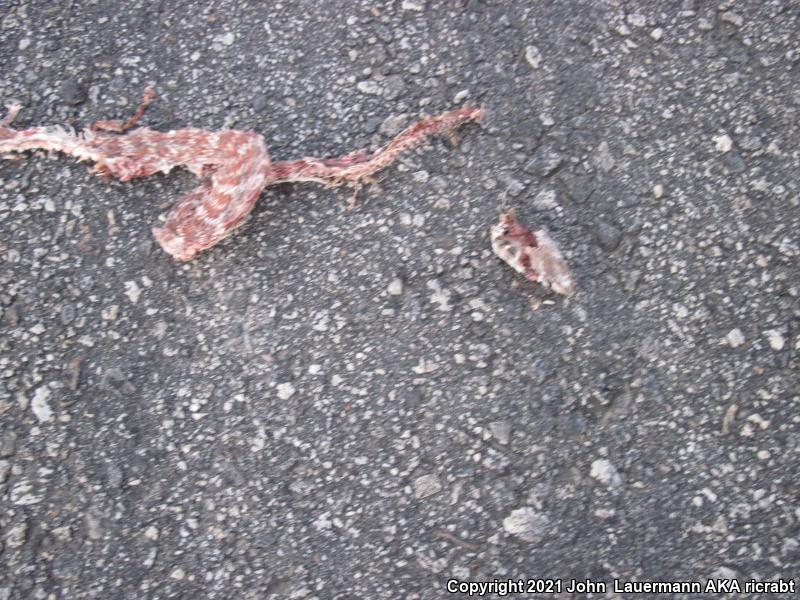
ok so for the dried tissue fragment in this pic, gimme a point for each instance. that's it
(532, 253)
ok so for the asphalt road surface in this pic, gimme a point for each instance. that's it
(364, 403)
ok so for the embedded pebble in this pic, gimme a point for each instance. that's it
(393, 87)
(420, 177)
(544, 163)
(728, 418)
(16, 535)
(226, 39)
(579, 187)
(723, 143)
(73, 92)
(369, 87)
(68, 313)
(426, 485)
(545, 200)
(603, 158)
(526, 523)
(606, 473)
(424, 367)
(608, 236)
(637, 19)
(260, 102)
(732, 18)
(285, 390)
(110, 313)
(734, 163)
(21, 494)
(132, 291)
(94, 525)
(115, 475)
(704, 24)
(460, 96)
(751, 143)
(513, 186)
(393, 125)
(775, 338)
(8, 444)
(440, 295)
(40, 406)
(533, 56)
(501, 431)
(415, 6)
(735, 338)
(395, 287)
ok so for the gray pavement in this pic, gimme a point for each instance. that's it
(363, 404)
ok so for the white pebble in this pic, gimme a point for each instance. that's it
(285, 390)
(426, 485)
(732, 18)
(775, 338)
(395, 287)
(369, 87)
(705, 24)
(533, 56)
(603, 471)
(735, 338)
(420, 177)
(460, 96)
(424, 367)
(545, 200)
(637, 19)
(409, 5)
(40, 406)
(723, 143)
(526, 523)
(132, 291)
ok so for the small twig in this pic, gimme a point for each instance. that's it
(446, 535)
